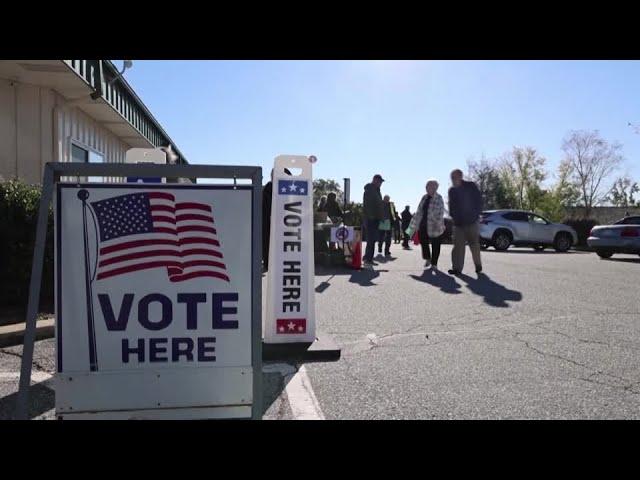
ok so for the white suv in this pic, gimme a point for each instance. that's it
(502, 228)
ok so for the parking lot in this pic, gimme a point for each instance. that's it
(541, 335)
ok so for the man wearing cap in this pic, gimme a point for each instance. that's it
(373, 212)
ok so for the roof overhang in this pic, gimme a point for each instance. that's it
(117, 108)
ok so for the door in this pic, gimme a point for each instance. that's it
(539, 229)
(519, 223)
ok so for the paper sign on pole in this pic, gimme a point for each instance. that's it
(154, 301)
(290, 315)
(342, 234)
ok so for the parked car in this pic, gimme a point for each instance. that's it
(621, 237)
(503, 228)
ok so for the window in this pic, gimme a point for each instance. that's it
(83, 154)
(537, 220)
(516, 216)
(79, 154)
(632, 221)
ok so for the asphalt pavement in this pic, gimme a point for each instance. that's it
(539, 335)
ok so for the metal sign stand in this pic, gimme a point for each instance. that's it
(54, 171)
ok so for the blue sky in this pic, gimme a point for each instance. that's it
(407, 120)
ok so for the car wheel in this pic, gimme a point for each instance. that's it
(538, 248)
(501, 240)
(604, 253)
(562, 243)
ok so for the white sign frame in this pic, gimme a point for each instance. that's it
(214, 392)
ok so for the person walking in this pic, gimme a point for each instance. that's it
(465, 207)
(406, 221)
(385, 226)
(396, 228)
(429, 221)
(373, 213)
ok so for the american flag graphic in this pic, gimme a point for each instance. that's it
(147, 230)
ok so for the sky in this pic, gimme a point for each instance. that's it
(406, 120)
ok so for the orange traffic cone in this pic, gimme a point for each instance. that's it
(356, 258)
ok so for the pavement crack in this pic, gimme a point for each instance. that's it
(35, 363)
(594, 371)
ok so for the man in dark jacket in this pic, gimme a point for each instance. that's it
(465, 207)
(406, 220)
(373, 212)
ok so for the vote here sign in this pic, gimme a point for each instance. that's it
(290, 315)
(154, 297)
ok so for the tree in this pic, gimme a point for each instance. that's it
(591, 160)
(487, 176)
(523, 170)
(322, 187)
(622, 192)
(565, 189)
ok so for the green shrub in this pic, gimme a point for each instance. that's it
(19, 204)
(582, 227)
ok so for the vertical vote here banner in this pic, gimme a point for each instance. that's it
(290, 315)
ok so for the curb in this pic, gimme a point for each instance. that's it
(11, 335)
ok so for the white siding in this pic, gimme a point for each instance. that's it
(33, 131)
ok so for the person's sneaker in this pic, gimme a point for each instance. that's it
(434, 267)
(427, 263)
(369, 262)
(387, 254)
(453, 272)
(479, 269)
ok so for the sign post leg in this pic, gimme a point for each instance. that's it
(256, 307)
(22, 407)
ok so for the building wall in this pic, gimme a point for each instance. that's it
(33, 131)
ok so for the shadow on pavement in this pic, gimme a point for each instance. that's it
(531, 251)
(363, 277)
(41, 400)
(625, 260)
(494, 294)
(444, 282)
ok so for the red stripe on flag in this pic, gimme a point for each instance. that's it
(146, 243)
(163, 208)
(193, 216)
(192, 206)
(134, 268)
(158, 253)
(162, 195)
(204, 263)
(158, 218)
(186, 228)
(203, 273)
(189, 240)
